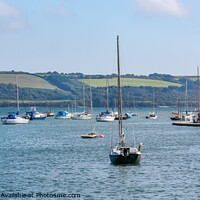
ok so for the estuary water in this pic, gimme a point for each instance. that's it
(50, 157)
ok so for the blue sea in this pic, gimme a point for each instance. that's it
(45, 159)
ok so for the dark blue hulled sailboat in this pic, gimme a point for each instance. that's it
(122, 154)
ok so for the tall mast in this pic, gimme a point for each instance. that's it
(153, 98)
(178, 104)
(84, 97)
(17, 95)
(91, 106)
(107, 91)
(186, 98)
(119, 89)
(198, 89)
(50, 105)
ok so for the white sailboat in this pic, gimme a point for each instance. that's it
(93, 133)
(152, 115)
(15, 118)
(120, 153)
(83, 115)
(106, 116)
(49, 113)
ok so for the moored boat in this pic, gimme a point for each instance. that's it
(63, 115)
(49, 114)
(105, 117)
(14, 119)
(90, 135)
(33, 114)
(152, 115)
(81, 116)
(121, 153)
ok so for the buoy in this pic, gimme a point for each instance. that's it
(141, 157)
(101, 136)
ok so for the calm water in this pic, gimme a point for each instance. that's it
(51, 157)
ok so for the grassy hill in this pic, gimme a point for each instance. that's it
(134, 82)
(26, 81)
(63, 89)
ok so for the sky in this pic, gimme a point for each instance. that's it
(79, 36)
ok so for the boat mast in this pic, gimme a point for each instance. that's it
(178, 104)
(198, 89)
(119, 90)
(17, 96)
(153, 98)
(50, 105)
(107, 91)
(84, 97)
(186, 98)
(91, 107)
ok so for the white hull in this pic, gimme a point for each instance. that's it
(81, 116)
(105, 119)
(18, 120)
(63, 117)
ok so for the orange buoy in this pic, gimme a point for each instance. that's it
(141, 157)
(101, 136)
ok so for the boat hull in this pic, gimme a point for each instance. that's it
(61, 117)
(88, 137)
(15, 121)
(183, 123)
(81, 117)
(105, 119)
(120, 159)
(38, 118)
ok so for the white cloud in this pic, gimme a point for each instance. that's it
(170, 7)
(7, 10)
(59, 11)
(14, 25)
(10, 18)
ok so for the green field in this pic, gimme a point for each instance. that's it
(35, 101)
(26, 81)
(136, 82)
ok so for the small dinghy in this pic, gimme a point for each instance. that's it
(90, 135)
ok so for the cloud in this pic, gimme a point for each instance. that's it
(7, 10)
(14, 25)
(10, 18)
(56, 12)
(169, 7)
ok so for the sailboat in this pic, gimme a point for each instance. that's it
(49, 113)
(106, 116)
(83, 115)
(152, 115)
(63, 115)
(14, 118)
(122, 154)
(93, 133)
(176, 115)
(189, 118)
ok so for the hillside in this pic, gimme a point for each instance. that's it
(26, 81)
(131, 82)
(63, 89)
